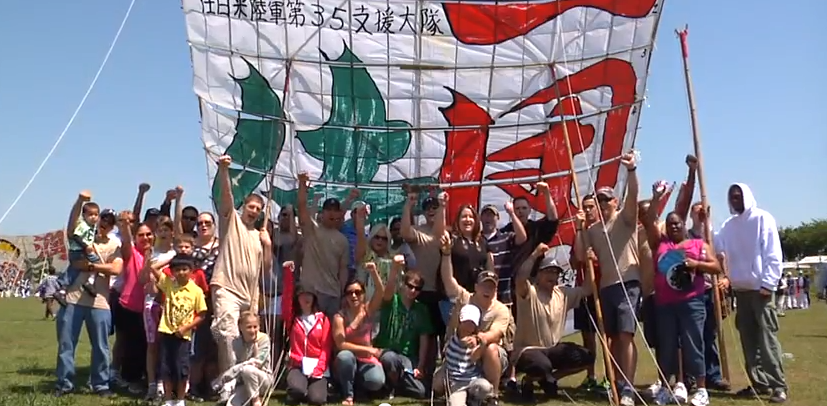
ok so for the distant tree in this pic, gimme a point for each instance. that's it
(809, 238)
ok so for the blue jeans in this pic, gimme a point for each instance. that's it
(371, 377)
(683, 323)
(67, 278)
(400, 368)
(713, 363)
(69, 321)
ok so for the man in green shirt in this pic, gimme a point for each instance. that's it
(404, 335)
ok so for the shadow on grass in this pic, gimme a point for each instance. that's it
(47, 383)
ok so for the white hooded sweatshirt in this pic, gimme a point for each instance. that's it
(752, 246)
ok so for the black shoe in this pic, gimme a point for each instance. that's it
(89, 289)
(62, 392)
(778, 396)
(511, 388)
(527, 392)
(721, 385)
(194, 396)
(750, 392)
(105, 393)
(550, 388)
(60, 297)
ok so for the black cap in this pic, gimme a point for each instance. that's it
(182, 260)
(332, 204)
(153, 212)
(430, 202)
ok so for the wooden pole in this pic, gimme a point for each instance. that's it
(696, 140)
(607, 361)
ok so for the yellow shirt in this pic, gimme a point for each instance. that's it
(181, 305)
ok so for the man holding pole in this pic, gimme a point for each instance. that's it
(614, 240)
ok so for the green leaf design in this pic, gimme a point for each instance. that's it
(350, 143)
(258, 140)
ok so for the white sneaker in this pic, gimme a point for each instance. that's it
(152, 392)
(159, 389)
(627, 398)
(681, 394)
(663, 397)
(180, 402)
(700, 398)
(653, 390)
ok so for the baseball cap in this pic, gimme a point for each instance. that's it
(331, 203)
(606, 191)
(491, 207)
(430, 202)
(470, 313)
(487, 276)
(549, 262)
(153, 212)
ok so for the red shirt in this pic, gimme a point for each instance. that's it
(317, 343)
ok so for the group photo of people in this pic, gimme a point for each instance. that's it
(312, 302)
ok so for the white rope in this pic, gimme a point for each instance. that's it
(74, 115)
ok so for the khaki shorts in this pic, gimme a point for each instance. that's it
(227, 307)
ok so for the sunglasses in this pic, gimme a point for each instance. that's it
(380, 237)
(415, 288)
(354, 292)
(204, 223)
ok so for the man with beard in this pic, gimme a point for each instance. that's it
(243, 252)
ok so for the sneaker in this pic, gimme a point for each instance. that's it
(720, 385)
(512, 388)
(135, 388)
(62, 392)
(700, 398)
(681, 394)
(194, 396)
(662, 397)
(751, 392)
(116, 379)
(159, 389)
(105, 393)
(603, 388)
(550, 388)
(588, 384)
(627, 397)
(653, 390)
(778, 396)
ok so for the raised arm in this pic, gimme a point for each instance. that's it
(125, 220)
(551, 209)
(629, 212)
(352, 196)
(441, 212)
(361, 240)
(446, 269)
(137, 208)
(684, 201)
(393, 280)
(520, 236)
(406, 227)
(177, 228)
(306, 221)
(74, 214)
(379, 286)
(166, 205)
(522, 284)
(650, 220)
(226, 204)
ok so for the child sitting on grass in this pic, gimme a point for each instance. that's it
(250, 377)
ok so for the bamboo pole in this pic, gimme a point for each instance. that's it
(607, 362)
(696, 141)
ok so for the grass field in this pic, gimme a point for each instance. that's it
(27, 348)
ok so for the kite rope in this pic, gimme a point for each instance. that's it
(74, 115)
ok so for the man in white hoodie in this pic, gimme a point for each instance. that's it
(749, 240)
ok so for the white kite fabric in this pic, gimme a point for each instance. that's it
(462, 96)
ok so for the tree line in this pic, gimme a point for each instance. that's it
(808, 238)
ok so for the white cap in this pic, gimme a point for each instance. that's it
(470, 313)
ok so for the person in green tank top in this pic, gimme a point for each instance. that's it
(404, 333)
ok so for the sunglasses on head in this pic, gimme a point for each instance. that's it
(415, 288)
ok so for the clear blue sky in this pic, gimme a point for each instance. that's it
(758, 70)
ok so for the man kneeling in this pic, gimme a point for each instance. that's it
(542, 307)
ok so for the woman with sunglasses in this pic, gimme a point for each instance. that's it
(373, 248)
(679, 296)
(204, 368)
(357, 359)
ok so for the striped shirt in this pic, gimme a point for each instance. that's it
(458, 364)
(500, 245)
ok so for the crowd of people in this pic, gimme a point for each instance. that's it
(226, 304)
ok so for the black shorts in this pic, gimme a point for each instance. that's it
(431, 301)
(585, 316)
(203, 342)
(175, 357)
(620, 307)
(114, 297)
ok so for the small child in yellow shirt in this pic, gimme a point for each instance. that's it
(183, 309)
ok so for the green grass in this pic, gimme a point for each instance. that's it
(27, 348)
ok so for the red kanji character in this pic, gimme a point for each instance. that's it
(51, 245)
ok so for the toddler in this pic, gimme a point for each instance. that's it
(460, 373)
(81, 246)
